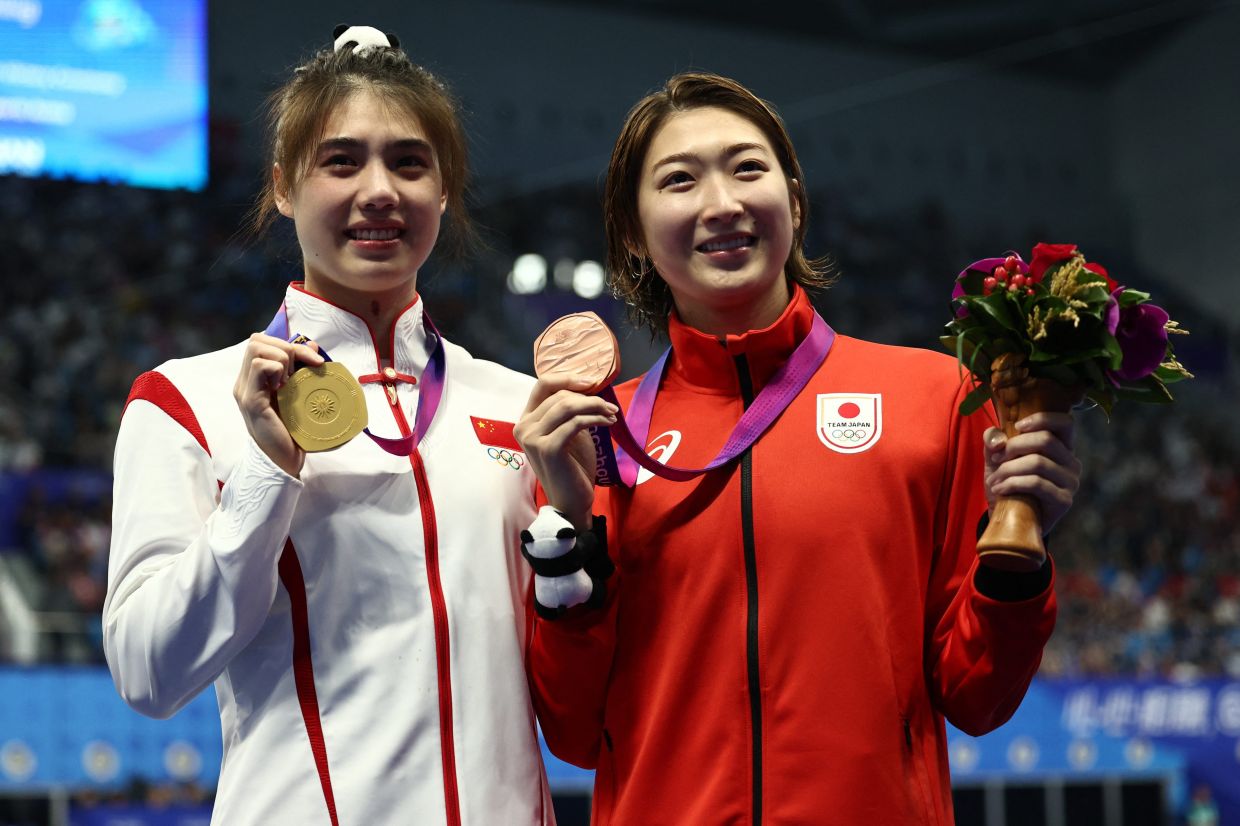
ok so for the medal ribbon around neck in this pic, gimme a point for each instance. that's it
(430, 385)
(631, 432)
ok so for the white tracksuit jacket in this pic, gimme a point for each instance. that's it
(364, 627)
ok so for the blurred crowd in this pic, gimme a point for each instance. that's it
(104, 282)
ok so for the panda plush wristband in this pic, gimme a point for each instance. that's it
(569, 568)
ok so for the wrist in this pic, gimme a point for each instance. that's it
(582, 518)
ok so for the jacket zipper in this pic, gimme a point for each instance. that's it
(439, 612)
(751, 597)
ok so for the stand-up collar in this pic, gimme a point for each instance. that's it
(709, 363)
(347, 338)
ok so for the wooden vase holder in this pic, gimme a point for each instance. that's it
(1013, 538)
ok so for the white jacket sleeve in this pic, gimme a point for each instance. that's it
(191, 578)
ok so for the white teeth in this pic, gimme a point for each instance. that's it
(374, 234)
(715, 246)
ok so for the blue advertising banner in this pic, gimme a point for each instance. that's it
(105, 90)
(1077, 729)
(67, 728)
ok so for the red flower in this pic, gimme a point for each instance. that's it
(1046, 256)
(1098, 269)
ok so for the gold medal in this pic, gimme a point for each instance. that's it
(580, 343)
(322, 407)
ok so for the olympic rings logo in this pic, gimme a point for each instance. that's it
(849, 434)
(506, 458)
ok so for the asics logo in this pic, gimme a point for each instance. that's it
(660, 448)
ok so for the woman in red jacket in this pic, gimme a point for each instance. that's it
(784, 633)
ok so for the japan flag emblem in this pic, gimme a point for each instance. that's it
(850, 422)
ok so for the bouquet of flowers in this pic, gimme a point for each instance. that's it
(1068, 321)
(1043, 336)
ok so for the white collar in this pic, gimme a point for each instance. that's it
(347, 338)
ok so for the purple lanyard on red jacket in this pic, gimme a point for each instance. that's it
(430, 384)
(631, 431)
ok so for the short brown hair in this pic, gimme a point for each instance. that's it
(630, 276)
(297, 114)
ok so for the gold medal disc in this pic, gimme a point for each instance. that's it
(322, 407)
(580, 343)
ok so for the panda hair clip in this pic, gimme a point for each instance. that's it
(362, 39)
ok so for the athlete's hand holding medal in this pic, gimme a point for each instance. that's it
(574, 358)
(295, 401)
(267, 366)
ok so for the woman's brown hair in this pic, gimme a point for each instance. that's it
(631, 275)
(297, 113)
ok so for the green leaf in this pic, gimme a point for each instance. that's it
(1041, 356)
(969, 353)
(977, 397)
(1092, 354)
(1113, 352)
(1102, 398)
(1130, 298)
(1167, 376)
(997, 307)
(1148, 390)
(1094, 375)
(1095, 296)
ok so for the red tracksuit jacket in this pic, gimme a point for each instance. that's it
(786, 634)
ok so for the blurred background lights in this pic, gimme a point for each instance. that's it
(528, 275)
(182, 760)
(563, 272)
(17, 760)
(588, 279)
(1082, 754)
(101, 761)
(1022, 754)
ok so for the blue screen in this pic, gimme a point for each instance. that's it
(105, 90)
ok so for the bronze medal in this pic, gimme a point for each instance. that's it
(322, 407)
(579, 343)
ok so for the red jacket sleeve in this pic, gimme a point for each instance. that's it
(982, 652)
(569, 666)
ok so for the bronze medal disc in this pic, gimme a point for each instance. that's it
(580, 343)
(322, 407)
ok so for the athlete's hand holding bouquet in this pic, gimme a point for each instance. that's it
(1042, 336)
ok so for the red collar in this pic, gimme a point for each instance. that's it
(709, 363)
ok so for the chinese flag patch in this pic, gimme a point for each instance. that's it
(494, 433)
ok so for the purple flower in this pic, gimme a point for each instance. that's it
(1141, 331)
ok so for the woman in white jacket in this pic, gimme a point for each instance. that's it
(359, 611)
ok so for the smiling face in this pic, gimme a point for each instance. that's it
(717, 218)
(368, 208)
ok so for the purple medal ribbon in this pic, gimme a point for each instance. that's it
(430, 383)
(630, 433)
